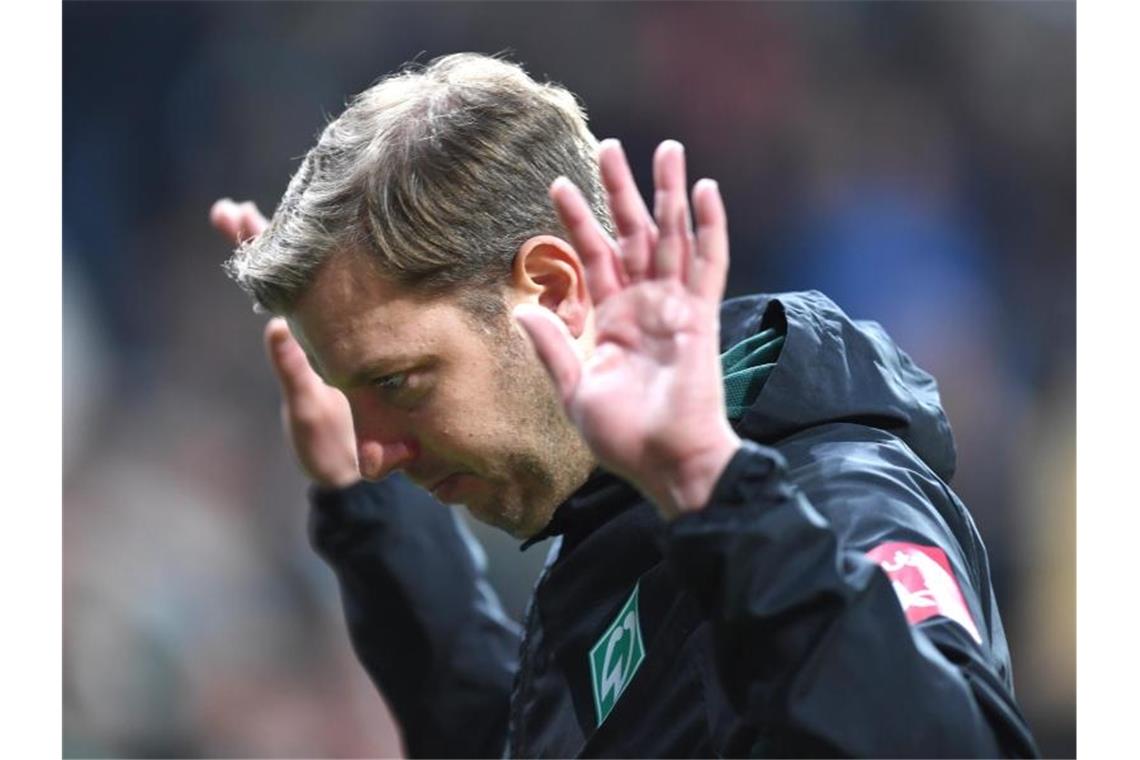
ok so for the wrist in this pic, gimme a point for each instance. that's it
(689, 483)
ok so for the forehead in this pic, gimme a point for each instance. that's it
(351, 320)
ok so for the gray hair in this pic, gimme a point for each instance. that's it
(437, 174)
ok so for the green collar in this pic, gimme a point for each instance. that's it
(745, 367)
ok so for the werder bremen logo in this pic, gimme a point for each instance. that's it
(616, 657)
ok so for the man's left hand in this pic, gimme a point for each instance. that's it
(649, 401)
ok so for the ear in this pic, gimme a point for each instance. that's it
(547, 270)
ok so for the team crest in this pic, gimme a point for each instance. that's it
(616, 657)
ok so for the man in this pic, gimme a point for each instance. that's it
(757, 550)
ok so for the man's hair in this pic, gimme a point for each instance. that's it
(436, 174)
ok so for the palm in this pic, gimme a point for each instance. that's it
(649, 399)
(633, 401)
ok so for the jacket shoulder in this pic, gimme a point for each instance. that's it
(873, 488)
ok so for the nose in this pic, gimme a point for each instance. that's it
(383, 443)
(377, 460)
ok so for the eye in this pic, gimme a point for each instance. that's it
(408, 389)
(393, 382)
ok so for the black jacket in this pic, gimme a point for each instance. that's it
(771, 623)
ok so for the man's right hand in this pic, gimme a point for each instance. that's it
(316, 418)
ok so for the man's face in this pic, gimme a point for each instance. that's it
(472, 401)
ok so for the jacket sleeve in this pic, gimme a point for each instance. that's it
(812, 642)
(421, 615)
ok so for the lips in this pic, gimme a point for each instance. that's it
(439, 482)
(444, 487)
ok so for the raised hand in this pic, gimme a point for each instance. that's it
(316, 418)
(649, 401)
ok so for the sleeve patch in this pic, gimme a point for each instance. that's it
(924, 583)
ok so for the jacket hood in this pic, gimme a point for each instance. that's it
(834, 369)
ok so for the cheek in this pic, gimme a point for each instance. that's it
(463, 416)
(441, 425)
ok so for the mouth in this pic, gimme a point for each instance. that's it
(447, 487)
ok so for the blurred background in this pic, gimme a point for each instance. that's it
(915, 161)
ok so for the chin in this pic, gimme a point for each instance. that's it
(504, 518)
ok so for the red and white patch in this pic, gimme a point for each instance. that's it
(924, 582)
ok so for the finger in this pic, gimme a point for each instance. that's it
(671, 209)
(588, 238)
(636, 231)
(553, 345)
(289, 362)
(252, 223)
(237, 222)
(711, 263)
(224, 217)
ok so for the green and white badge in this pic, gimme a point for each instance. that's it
(616, 657)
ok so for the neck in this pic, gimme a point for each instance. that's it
(575, 467)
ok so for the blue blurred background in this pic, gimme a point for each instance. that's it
(914, 161)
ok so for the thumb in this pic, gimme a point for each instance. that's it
(554, 346)
(288, 359)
